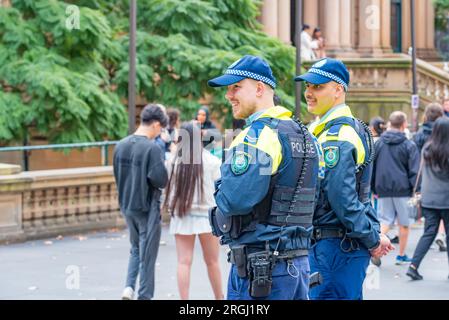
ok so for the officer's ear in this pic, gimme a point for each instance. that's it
(340, 91)
(260, 89)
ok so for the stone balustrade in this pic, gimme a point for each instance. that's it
(433, 82)
(47, 203)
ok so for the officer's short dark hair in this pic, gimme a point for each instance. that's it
(152, 113)
(305, 27)
(276, 100)
(433, 111)
(397, 119)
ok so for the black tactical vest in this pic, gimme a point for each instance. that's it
(363, 171)
(293, 191)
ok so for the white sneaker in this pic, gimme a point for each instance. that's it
(128, 294)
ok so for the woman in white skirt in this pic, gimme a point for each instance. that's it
(189, 196)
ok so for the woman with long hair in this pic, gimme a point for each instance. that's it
(434, 191)
(189, 196)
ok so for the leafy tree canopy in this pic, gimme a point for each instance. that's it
(71, 84)
(441, 14)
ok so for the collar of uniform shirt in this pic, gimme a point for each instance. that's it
(254, 117)
(339, 106)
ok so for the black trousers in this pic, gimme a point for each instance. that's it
(431, 224)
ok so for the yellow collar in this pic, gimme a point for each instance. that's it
(334, 113)
(277, 112)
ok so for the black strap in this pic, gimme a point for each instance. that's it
(293, 219)
(325, 233)
(287, 254)
(283, 195)
(296, 208)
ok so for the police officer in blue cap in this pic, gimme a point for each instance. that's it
(346, 229)
(268, 190)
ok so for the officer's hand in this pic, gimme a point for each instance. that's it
(384, 247)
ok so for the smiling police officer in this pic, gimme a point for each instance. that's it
(268, 190)
(346, 229)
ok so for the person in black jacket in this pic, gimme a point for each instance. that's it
(140, 173)
(395, 171)
(431, 114)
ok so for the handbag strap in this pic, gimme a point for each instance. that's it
(419, 175)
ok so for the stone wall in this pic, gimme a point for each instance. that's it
(48, 203)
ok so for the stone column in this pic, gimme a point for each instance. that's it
(430, 25)
(429, 52)
(421, 23)
(406, 31)
(284, 21)
(369, 28)
(310, 13)
(345, 25)
(386, 26)
(270, 17)
(331, 28)
(424, 29)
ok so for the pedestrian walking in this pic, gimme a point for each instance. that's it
(434, 192)
(140, 174)
(432, 112)
(395, 172)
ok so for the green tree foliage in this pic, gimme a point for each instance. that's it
(441, 14)
(71, 85)
(55, 80)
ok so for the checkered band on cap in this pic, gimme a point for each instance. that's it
(330, 76)
(252, 75)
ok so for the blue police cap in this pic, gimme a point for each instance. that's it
(326, 70)
(251, 67)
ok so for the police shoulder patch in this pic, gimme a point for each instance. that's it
(240, 162)
(331, 156)
(253, 134)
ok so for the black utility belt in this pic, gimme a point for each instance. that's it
(235, 253)
(347, 244)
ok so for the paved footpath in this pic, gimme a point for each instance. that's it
(93, 266)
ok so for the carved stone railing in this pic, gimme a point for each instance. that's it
(433, 82)
(39, 204)
(380, 86)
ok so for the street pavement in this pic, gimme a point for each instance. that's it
(93, 266)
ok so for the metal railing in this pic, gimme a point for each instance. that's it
(26, 149)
